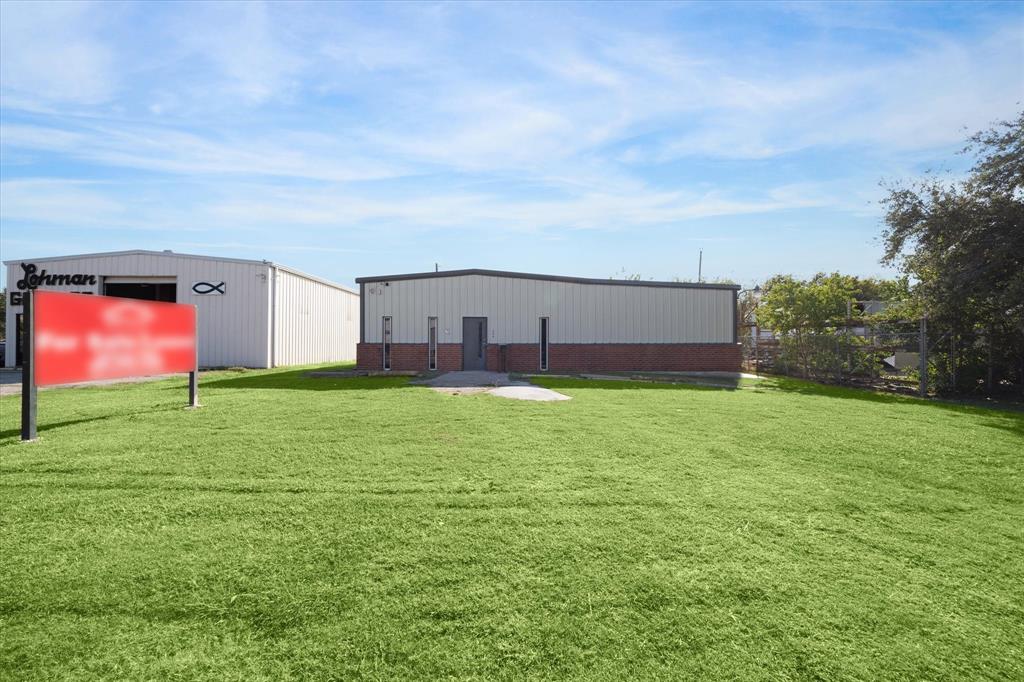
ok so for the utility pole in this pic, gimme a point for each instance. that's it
(700, 265)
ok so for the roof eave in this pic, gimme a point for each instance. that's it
(549, 278)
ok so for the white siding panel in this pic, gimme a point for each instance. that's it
(232, 327)
(315, 321)
(579, 312)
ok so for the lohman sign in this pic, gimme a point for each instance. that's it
(32, 279)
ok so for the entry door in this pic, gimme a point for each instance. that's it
(474, 343)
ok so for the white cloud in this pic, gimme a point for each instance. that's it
(927, 99)
(49, 51)
(64, 203)
(155, 148)
(57, 201)
(246, 50)
(334, 208)
(324, 117)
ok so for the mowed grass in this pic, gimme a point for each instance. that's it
(300, 528)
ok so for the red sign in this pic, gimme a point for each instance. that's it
(85, 338)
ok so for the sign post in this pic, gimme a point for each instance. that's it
(193, 376)
(28, 368)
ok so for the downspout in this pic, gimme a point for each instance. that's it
(735, 316)
(362, 319)
(362, 312)
(273, 315)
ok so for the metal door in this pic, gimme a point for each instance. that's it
(474, 343)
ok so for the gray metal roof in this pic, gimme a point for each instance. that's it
(175, 254)
(131, 252)
(549, 278)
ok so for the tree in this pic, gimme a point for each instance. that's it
(628, 276)
(963, 245)
(804, 313)
(812, 320)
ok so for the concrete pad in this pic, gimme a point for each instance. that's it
(470, 379)
(495, 383)
(528, 393)
(468, 390)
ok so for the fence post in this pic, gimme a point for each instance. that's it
(922, 359)
(757, 358)
(839, 362)
(952, 360)
(848, 355)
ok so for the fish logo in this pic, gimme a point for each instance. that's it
(208, 288)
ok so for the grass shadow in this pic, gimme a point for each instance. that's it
(556, 383)
(49, 426)
(1014, 420)
(708, 380)
(297, 380)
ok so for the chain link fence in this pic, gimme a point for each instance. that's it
(884, 357)
(904, 357)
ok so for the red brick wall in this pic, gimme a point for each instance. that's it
(449, 357)
(624, 357)
(494, 357)
(567, 357)
(409, 356)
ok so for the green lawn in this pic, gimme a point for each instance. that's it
(361, 528)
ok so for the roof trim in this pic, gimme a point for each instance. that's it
(175, 254)
(314, 278)
(133, 252)
(549, 278)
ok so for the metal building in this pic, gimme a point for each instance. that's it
(513, 321)
(251, 313)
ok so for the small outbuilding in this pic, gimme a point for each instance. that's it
(514, 321)
(251, 313)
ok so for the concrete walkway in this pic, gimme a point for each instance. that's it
(495, 383)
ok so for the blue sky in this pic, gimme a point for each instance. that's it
(582, 139)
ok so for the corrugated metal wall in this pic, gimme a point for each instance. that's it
(233, 328)
(315, 322)
(579, 313)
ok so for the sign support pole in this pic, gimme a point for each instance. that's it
(193, 376)
(28, 369)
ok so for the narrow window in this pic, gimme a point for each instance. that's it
(543, 344)
(386, 339)
(431, 343)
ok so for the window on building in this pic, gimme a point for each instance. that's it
(431, 343)
(386, 341)
(544, 343)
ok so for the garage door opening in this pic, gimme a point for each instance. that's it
(162, 289)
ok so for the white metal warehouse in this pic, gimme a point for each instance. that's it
(514, 321)
(251, 313)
